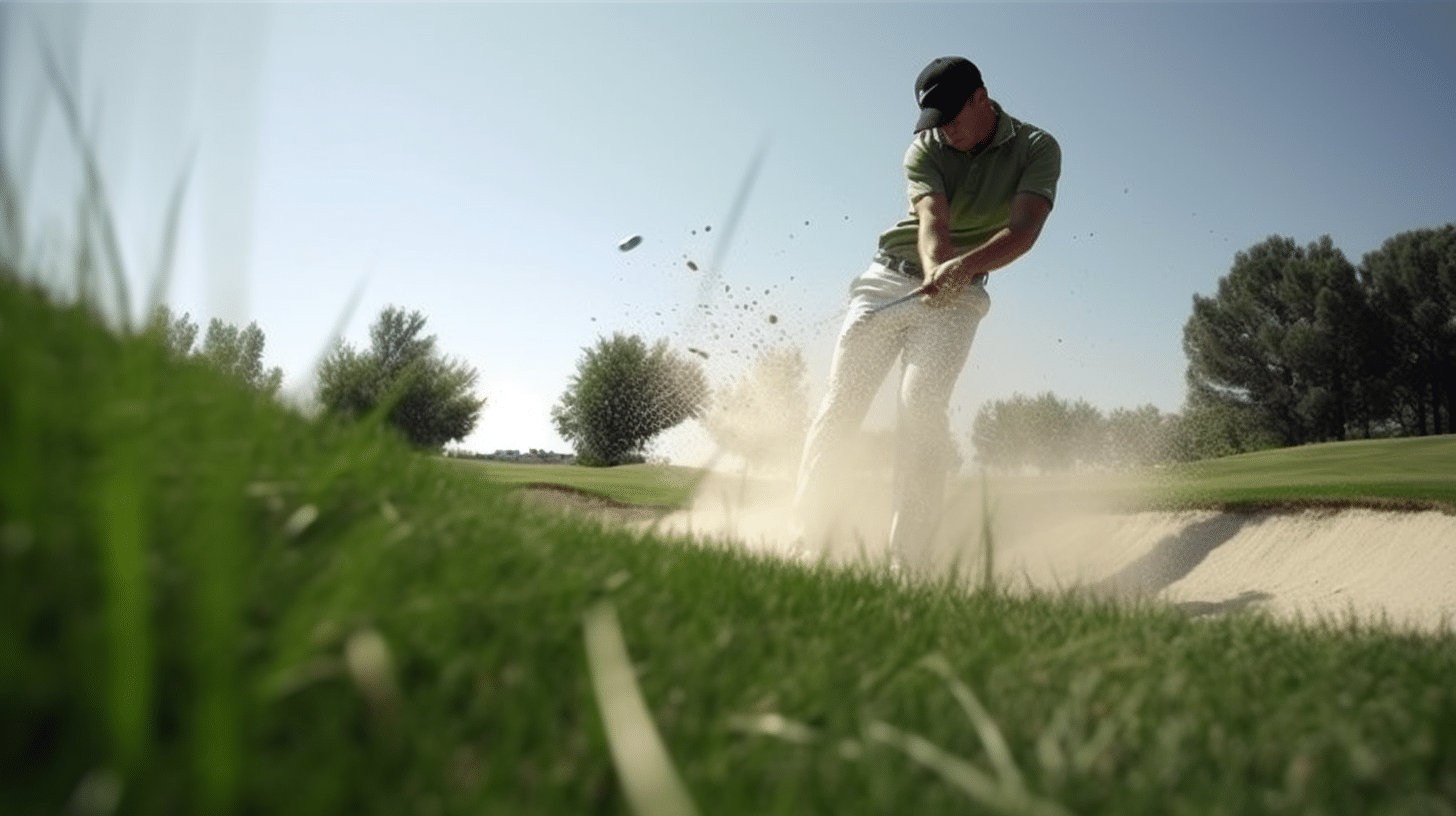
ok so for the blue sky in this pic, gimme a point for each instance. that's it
(480, 163)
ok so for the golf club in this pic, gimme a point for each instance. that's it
(897, 301)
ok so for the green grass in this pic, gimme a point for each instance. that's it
(653, 485)
(1397, 474)
(1376, 471)
(209, 604)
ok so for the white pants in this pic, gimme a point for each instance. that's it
(933, 344)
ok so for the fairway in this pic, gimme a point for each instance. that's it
(663, 486)
(1415, 472)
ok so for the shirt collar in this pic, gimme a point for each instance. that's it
(1005, 126)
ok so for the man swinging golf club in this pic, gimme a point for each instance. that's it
(981, 184)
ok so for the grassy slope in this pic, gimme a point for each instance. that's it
(1398, 474)
(1376, 471)
(190, 579)
(653, 485)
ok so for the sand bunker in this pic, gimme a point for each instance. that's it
(1309, 565)
(1302, 564)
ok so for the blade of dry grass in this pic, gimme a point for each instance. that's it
(646, 771)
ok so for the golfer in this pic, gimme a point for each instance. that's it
(981, 184)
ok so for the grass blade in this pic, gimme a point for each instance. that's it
(121, 523)
(95, 212)
(163, 277)
(652, 784)
(124, 498)
(976, 783)
(988, 544)
(986, 728)
(336, 335)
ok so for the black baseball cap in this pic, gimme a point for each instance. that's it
(943, 88)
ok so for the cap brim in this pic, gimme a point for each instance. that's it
(929, 118)
(941, 107)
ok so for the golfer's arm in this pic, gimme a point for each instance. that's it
(933, 241)
(1028, 214)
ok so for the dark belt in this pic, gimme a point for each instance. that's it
(909, 269)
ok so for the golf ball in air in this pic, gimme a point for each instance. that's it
(631, 243)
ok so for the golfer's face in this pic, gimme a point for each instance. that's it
(963, 132)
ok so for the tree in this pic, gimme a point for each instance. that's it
(1412, 283)
(1286, 341)
(426, 396)
(178, 333)
(1137, 436)
(762, 416)
(235, 352)
(239, 353)
(623, 395)
(1207, 430)
(1042, 432)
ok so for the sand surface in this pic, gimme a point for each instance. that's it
(1298, 564)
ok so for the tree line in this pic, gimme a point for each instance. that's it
(623, 395)
(1309, 348)
(236, 352)
(401, 378)
(1296, 345)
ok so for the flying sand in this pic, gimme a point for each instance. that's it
(1298, 565)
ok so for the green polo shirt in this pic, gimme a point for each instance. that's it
(1021, 158)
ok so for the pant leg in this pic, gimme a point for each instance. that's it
(868, 345)
(935, 352)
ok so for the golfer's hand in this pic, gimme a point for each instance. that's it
(940, 287)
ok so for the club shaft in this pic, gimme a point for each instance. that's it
(897, 301)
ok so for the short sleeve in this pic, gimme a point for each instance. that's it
(1043, 168)
(923, 173)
